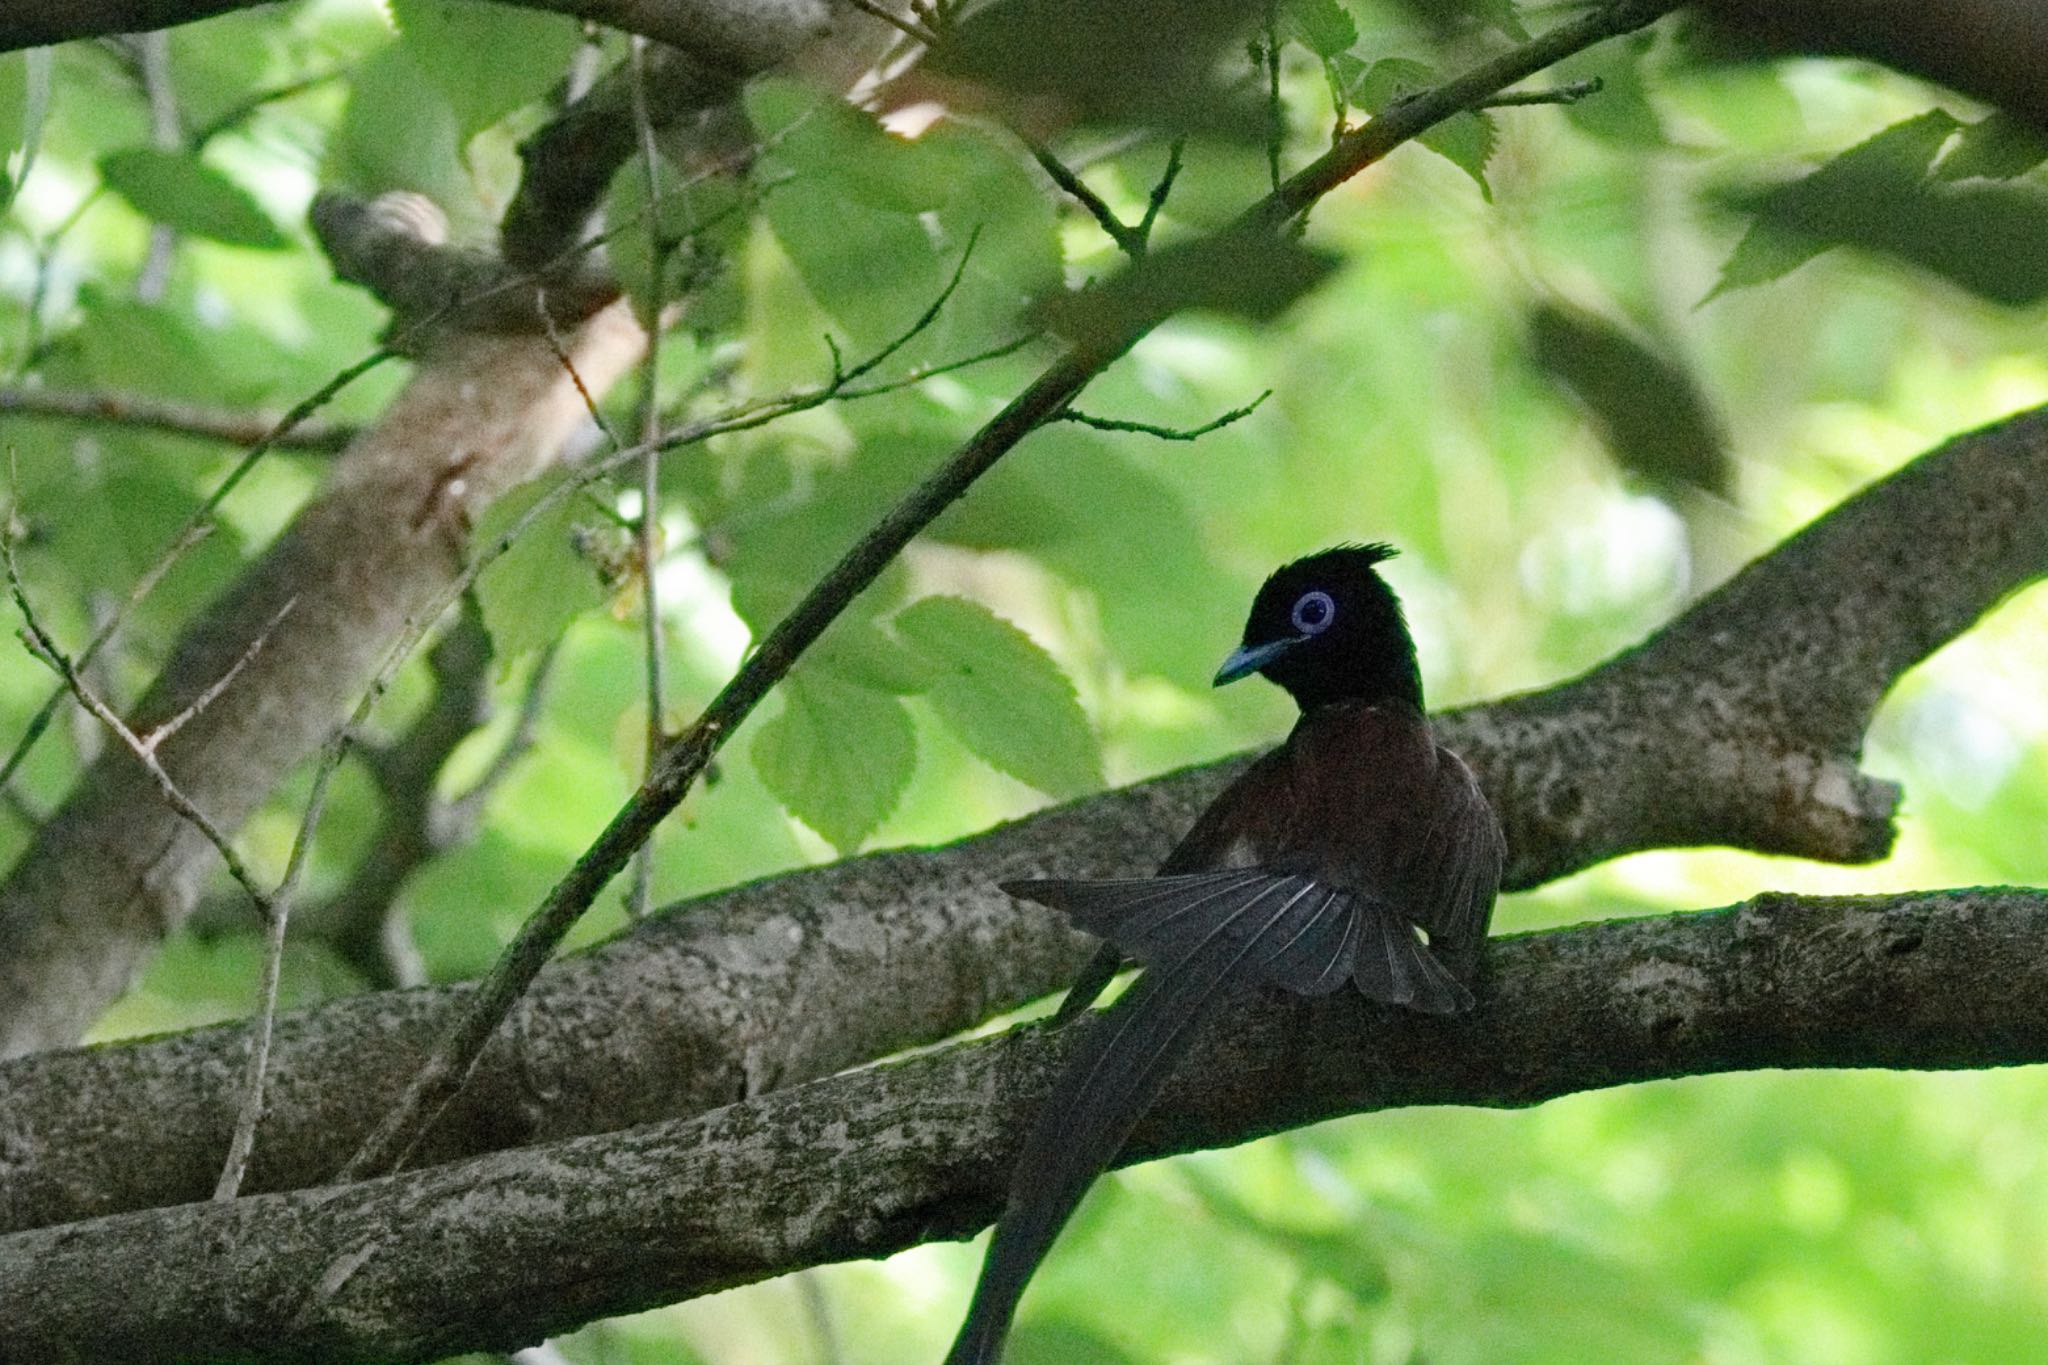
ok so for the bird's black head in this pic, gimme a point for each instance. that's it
(1328, 628)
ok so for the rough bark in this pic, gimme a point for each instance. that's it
(501, 1250)
(1738, 723)
(744, 34)
(115, 868)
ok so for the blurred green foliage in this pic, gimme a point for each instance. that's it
(1828, 268)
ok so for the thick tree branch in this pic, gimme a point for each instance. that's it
(1993, 49)
(502, 1250)
(115, 868)
(744, 34)
(1731, 725)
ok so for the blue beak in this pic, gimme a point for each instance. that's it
(1244, 662)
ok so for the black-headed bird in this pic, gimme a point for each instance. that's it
(1328, 861)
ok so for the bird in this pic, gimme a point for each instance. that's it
(1327, 861)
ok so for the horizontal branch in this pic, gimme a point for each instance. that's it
(502, 1250)
(746, 34)
(1736, 724)
(235, 427)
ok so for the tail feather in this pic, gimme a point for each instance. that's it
(1395, 967)
(1125, 1057)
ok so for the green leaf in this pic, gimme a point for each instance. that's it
(1003, 695)
(1253, 275)
(1840, 201)
(1620, 111)
(399, 132)
(1465, 140)
(488, 60)
(180, 191)
(702, 222)
(1995, 148)
(876, 224)
(838, 756)
(534, 590)
(1648, 411)
(1324, 27)
(861, 652)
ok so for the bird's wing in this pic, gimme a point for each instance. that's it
(1195, 935)
(1456, 874)
(1297, 932)
(1226, 834)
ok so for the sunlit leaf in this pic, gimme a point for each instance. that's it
(1003, 695)
(838, 756)
(180, 191)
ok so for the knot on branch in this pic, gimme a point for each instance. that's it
(396, 246)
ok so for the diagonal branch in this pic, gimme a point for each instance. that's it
(914, 945)
(501, 1250)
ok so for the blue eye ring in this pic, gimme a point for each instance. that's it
(1313, 612)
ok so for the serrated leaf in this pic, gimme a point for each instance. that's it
(1465, 140)
(1649, 413)
(487, 60)
(1324, 27)
(859, 651)
(180, 191)
(1621, 110)
(1840, 201)
(837, 757)
(1003, 695)
(532, 592)
(1995, 148)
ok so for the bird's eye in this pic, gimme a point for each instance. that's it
(1313, 612)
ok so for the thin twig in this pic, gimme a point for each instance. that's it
(158, 734)
(1128, 240)
(250, 1113)
(1157, 199)
(44, 647)
(909, 28)
(190, 534)
(1276, 114)
(171, 417)
(1162, 432)
(648, 530)
(1570, 93)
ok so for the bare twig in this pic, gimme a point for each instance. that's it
(158, 734)
(1128, 239)
(1163, 433)
(1156, 201)
(250, 1112)
(45, 648)
(909, 28)
(648, 529)
(1570, 93)
(190, 534)
(171, 417)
